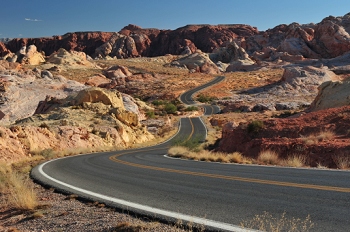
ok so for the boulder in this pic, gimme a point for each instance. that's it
(301, 77)
(242, 65)
(73, 58)
(98, 80)
(332, 94)
(232, 52)
(117, 71)
(46, 74)
(198, 62)
(95, 94)
(28, 55)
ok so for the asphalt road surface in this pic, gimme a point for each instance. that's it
(219, 196)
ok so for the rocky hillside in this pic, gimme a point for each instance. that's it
(321, 136)
(327, 39)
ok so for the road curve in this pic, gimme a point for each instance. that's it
(208, 109)
(217, 195)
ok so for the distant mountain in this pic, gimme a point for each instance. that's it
(328, 39)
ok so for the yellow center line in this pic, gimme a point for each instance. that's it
(233, 178)
(217, 176)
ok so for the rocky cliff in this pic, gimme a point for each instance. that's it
(327, 39)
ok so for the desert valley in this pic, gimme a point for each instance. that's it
(285, 101)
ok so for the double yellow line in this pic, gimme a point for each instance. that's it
(232, 178)
(217, 176)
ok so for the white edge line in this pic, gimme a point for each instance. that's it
(206, 129)
(174, 215)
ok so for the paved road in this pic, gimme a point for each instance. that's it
(208, 109)
(144, 181)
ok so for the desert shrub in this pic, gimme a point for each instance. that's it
(236, 157)
(315, 138)
(268, 157)
(267, 222)
(17, 189)
(22, 195)
(192, 144)
(158, 102)
(204, 98)
(255, 126)
(191, 108)
(295, 161)
(170, 108)
(150, 114)
(325, 135)
(178, 151)
(342, 161)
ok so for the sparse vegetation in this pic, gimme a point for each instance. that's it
(205, 98)
(192, 108)
(204, 155)
(17, 189)
(158, 102)
(192, 144)
(295, 161)
(316, 138)
(342, 161)
(170, 108)
(268, 157)
(255, 126)
(150, 114)
(267, 222)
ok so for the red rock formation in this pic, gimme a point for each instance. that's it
(327, 39)
(3, 50)
(285, 136)
(78, 41)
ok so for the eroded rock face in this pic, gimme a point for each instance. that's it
(285, 136)
(95, 94)
(26, 55)
(197, 62)
(332, 94)
(78, 41)
(72, 58)
(25, 89)
(294, 42)
(297, 88)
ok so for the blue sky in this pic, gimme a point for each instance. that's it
(40, 18)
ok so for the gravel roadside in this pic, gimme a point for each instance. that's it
(64, 213)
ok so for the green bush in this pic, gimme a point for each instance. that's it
(192, 144)
(150, 114)
(255, 126)
(170, 108)
(191, 108)
(204, 98)
(158, 102)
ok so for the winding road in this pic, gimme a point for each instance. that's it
(216, 195)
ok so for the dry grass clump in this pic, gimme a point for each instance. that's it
(342, 161)
(17, 189)
(268, 157)
(178, 151)
(267, 222)
(316, 138)
(204, 155)
(295, 161)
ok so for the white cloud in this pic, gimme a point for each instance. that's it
(32, 20)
